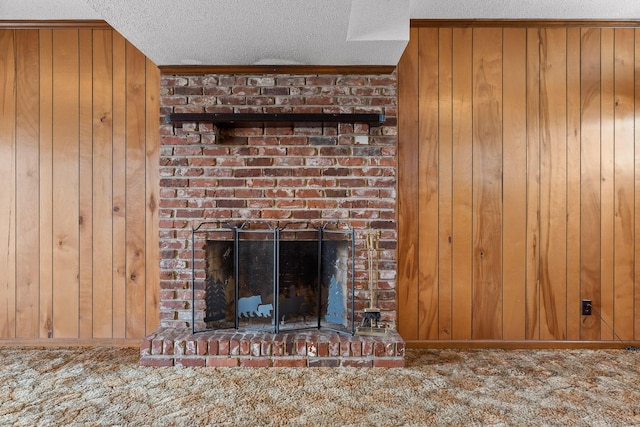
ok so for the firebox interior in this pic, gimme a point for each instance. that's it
(268, 278)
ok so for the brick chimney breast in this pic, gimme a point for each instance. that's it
(301, 172)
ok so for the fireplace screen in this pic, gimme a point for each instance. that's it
(259, 277)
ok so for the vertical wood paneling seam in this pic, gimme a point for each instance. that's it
(93, 224)
(146, 195)
(125, 125)
(566, 172)
(125, 116)
(539, 179)
(538, 182)
(15, 180)
(526, 154)
(635, 174)
(471, 63)
(93, 166)
(566, 185)
(53, 211)
(437, 142)
(536, 265)
(112, 186)
(51, 333)
(633, 248)
(580, 163)
(451, 278)
(144, 227)
(633, 274)
(473, 36)
(39, 180)
(600, 183)
(502, 186)
(77, 223)
(417, 302)
(451, 282)
(613, 285)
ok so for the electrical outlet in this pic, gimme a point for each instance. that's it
(586, 307)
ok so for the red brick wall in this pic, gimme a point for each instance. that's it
(316, 174)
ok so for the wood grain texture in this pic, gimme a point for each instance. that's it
(573, 183)
(540, 149)
(515, 182)
(607, 137)
(56, 205)
(624, 183)
(135, 192)
(636, 185)
(103, 183)
(487, 185)
(445, 177)
(46, 184)
(407, 204)
(85, 221)
(65, 184)
(7, 177)
(428, 185)
(119, 186)
(27, 183)
(552, 265)
(532, 286)
(152, 180)
(462, 197)
(590, 201)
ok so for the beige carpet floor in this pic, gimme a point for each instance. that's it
(105, 386)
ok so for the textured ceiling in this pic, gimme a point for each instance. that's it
(305, 32)
(526, 9)
(46, 10)
(245, 32)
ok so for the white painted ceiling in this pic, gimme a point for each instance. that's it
(304, 32)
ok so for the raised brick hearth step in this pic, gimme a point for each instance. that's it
(308, 348)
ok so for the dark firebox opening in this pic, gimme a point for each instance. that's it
(308, 270)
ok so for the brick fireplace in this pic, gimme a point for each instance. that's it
(313, 173)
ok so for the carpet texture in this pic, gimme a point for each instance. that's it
(105, 386)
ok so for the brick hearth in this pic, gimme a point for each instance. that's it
(314, 348)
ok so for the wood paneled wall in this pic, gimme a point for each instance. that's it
(79, 140)
(519, 183)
